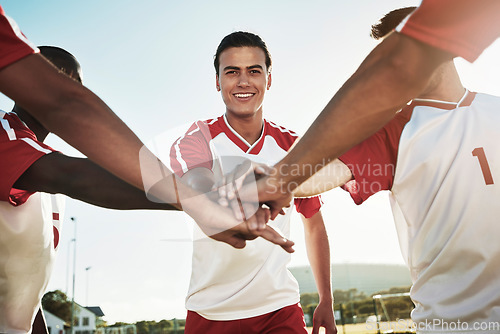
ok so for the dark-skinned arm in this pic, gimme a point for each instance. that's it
(82, 179)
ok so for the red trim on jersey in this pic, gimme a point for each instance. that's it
(221, 126)
(12, 45)
(192, 150)
(16, 156)
(55, 216)
(373, 161)
(462, 27)
(284, 137)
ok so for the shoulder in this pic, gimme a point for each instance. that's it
(283, 136)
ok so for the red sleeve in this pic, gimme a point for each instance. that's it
(373, 161)
(13, 44)
(462, 27)
(19, 149)
(308, 207)
(192, 150)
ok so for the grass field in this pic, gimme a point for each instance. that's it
(403, 326)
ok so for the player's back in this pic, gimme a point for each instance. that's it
(444, 198)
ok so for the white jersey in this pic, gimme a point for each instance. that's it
(228, 283)
(27, 254)
(444, 195)
(29, 228)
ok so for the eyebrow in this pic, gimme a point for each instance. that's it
(238, 68)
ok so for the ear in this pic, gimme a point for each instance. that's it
(269, 80)
(217, 85)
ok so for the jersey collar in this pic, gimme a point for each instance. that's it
(241, 142)
(465, 101)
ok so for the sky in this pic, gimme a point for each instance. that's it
(151, 62)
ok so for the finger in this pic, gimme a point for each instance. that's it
(250, 209)
(273, 236)
(261, 217)
(230, 186)
(268, 214)
(315, 329)
(275, 212)
(253, 224)
(235, 207)
(223, 201)
(230, 239)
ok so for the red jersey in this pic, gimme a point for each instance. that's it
(19, 149)
(462, 27)
(13, 44)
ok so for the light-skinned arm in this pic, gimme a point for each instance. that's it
(396, 71)
(318, 252)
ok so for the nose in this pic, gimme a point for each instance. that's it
(243, 80)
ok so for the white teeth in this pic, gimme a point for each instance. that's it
(243, 95)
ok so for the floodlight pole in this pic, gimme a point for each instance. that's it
(74, 271)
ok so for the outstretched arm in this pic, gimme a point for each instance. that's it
(84, 180)
(74, 113)
(318, 252)
(396, 71)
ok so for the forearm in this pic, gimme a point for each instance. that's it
(97, 186)
(333, 175)
(395, 72)
(84, 180)
(318, 253)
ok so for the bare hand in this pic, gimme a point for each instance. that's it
(239, 191)
(323, 317)
(238, 235)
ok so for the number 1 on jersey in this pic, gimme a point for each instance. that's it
(483, 162)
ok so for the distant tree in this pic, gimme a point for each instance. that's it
(345, 296)
(164, 325)
(57, 303)
(143, 327)
(119, 324)
(398, 289)
(309, 298)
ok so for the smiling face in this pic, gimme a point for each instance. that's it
(243, 80)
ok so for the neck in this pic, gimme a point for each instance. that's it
(33, 124)
(444, 85)
(250, 128)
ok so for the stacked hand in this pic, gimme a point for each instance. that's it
(231, 213)
(249, 189)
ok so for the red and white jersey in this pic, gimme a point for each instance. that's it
(29, 228)
(441, 162)
(462, 27)
(13, 44)
(228, 283)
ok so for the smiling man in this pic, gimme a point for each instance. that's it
(250, 289)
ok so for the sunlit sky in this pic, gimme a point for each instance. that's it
(151, 62)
